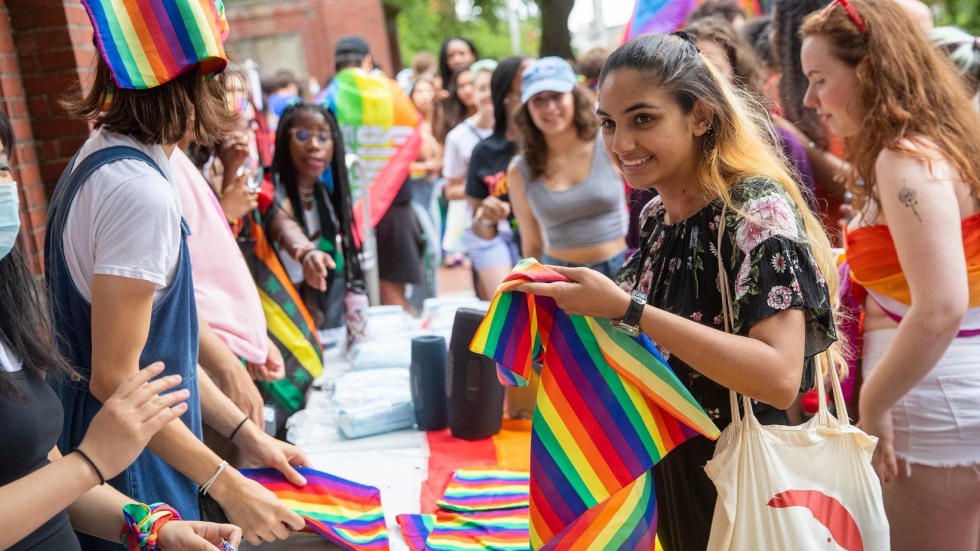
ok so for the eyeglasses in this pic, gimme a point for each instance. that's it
(851, 11)
(302, 136)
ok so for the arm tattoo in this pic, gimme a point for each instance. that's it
(907, 197)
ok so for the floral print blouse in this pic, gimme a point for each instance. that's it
(769, 263)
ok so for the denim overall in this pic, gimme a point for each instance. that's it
(172, 339)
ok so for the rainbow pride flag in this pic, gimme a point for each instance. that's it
(667, 16)
(416, 529)
(380, 124)
(483, 489)
(146, 43)
(347, 513)
(502, 530)
(608, 408)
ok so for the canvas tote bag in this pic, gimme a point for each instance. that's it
(802, 488)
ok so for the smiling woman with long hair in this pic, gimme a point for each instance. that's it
(311, 182)
(913, 140)
(671, 122)
(569, 203)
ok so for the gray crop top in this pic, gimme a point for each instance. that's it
(589, 213)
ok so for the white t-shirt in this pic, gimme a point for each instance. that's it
(459, 147)
(125, 220)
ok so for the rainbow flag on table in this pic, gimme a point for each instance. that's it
(667, 16)
(146, 43)
(380, 124)
(608, 408)
(344, 512)
(501, 530)
(483, 489)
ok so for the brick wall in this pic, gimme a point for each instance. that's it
(320, 23)
(45, 49)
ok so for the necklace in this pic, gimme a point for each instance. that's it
(306, 194)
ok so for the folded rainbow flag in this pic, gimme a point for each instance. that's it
(608, 408)
(503, 530)
(483, 489)
(344, 512)
(146, 43)
(416, 529)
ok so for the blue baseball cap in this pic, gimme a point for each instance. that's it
(548, 74)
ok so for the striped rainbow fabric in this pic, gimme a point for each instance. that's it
(608, 408)
(380, 124)
(146, 43)
(416, 529)
(667, 16)
(344, 512)
(502, 530)
(484, 489)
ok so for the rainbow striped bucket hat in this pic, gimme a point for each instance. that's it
(146, 43)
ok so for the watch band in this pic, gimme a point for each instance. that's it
(630, 324)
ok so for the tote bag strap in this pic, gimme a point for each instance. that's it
(822, 361)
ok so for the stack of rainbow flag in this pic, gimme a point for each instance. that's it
(482, 508)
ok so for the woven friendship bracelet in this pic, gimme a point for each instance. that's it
(143, 523)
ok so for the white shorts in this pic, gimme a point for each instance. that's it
(937, 423)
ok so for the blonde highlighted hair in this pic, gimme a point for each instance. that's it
(740, 144)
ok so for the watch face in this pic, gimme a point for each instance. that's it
(638, 296)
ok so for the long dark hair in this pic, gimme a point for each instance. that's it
(500, 82)
(454, 111)
(533, 147)
(284, 178)
(444, 71)
(24, 324)
(788, 15)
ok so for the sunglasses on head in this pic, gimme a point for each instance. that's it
(303, 136)
(851, 11)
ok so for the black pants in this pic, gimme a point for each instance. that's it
(686, 496)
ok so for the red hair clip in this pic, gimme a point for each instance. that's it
(851, 13)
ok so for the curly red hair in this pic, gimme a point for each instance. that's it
(907, 91)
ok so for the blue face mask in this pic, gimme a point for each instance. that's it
(9, 217)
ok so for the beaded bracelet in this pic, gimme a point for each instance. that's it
(143, 523)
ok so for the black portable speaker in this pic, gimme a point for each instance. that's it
(476, 397)
(428, 375)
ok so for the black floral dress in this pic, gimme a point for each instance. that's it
(771, 268)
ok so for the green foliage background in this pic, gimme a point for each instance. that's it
(424, 24)
(962, 13)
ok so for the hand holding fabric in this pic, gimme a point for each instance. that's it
(260, 448)
(589, 293)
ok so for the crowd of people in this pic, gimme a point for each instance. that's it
(203, 246)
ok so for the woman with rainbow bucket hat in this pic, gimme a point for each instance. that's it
(117, 265)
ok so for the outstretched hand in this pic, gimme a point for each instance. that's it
(316, 265)
(589, 293)
(130, 417)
